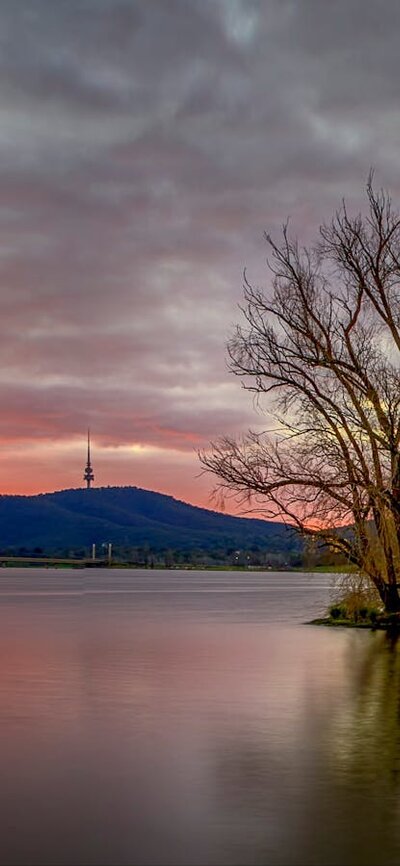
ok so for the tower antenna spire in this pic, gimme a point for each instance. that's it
(88, 474)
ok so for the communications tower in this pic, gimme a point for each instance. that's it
(88, 474)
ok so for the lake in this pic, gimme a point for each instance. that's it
(184, 717)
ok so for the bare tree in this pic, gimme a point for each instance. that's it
(324, 345)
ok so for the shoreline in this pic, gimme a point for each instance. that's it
(388, 622)
(343, 623)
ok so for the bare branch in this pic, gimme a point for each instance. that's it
(324, 347)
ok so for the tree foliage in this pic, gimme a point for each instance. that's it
(324, 345)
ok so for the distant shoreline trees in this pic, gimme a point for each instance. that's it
(325, 346)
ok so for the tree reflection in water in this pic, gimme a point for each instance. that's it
(338, 801)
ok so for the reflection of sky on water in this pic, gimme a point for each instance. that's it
(131, 737)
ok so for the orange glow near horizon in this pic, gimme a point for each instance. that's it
(34, 467)
(29, 469)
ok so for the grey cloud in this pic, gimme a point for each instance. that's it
(144, 147)
(118, 416)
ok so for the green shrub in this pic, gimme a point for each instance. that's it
(337, 611)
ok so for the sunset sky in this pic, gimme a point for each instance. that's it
(144, 148)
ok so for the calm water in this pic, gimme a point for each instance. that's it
(191, 718)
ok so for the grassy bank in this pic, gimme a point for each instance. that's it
(349, 614)
(383, 622)
(344, 623)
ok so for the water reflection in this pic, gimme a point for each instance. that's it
(176, 729)
(333, 799)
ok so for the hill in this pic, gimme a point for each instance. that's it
(130, 517)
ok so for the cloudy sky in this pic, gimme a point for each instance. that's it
(145, 145)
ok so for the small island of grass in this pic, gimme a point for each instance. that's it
(337, 615)
(357, 605)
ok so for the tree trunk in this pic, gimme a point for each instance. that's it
(390, 596)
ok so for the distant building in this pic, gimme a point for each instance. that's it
(88, 474)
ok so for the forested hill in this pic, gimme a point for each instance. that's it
(130, 516)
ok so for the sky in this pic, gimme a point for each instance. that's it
(145, 147)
